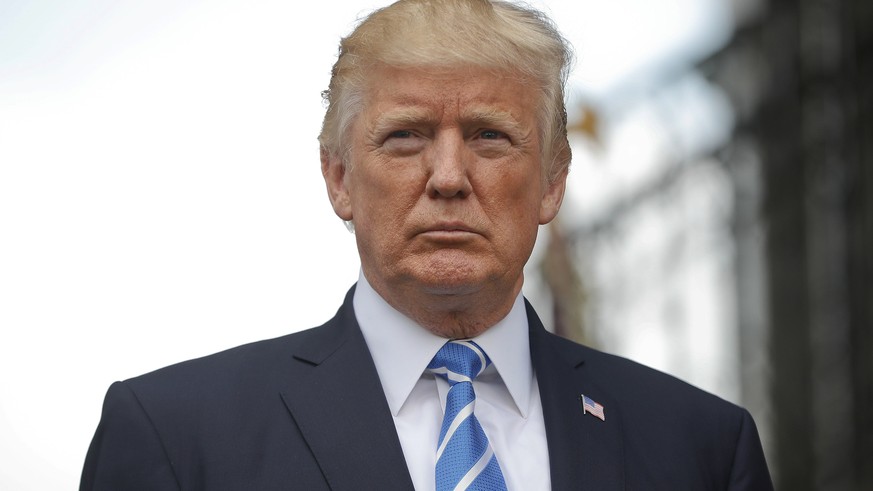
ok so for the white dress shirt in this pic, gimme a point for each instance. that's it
(507, 395)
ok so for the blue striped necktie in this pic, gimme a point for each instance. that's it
(465, 459)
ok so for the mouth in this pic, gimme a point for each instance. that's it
(448, 231)
(452, 226)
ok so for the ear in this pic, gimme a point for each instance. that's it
(334, 173)
(552, 198)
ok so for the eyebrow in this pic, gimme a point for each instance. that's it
(489, 116)
(412, 116)
(402, 117)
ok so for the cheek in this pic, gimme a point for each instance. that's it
(514, 191)
(381, 203)
(385, 199)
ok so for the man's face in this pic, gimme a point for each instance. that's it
(445, 183)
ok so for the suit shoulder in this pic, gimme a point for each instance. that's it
(236, 369)
(259, 360)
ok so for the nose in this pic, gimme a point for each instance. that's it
(449, 168)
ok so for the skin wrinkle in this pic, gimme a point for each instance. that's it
(441, 34)
(447, 192)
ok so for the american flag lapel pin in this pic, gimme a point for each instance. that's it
(591, 407)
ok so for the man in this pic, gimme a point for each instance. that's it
(444, 146)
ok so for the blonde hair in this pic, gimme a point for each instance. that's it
(434, 33)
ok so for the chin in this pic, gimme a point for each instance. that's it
(449, 285)
(451, 277)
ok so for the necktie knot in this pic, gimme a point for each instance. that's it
(459, 361)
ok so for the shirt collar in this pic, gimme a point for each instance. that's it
(401, 349)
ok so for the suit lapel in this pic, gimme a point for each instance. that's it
(584, 452)
(340, 407)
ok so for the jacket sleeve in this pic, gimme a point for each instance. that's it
(749, 471)
(126, 452)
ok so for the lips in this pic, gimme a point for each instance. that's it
(449, 227)
(448, 232)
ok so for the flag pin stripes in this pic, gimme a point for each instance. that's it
(589, 406)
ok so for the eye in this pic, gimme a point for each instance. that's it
(491, 143)
(400, 134)
(491, 135)
(403, 143)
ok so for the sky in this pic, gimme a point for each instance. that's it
(160, 195)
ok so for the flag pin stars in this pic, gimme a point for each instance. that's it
(591, 407)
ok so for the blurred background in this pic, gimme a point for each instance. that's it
(160, 199)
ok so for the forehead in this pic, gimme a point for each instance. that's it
(458, 92)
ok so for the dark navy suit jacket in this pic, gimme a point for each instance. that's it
(307, 412)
